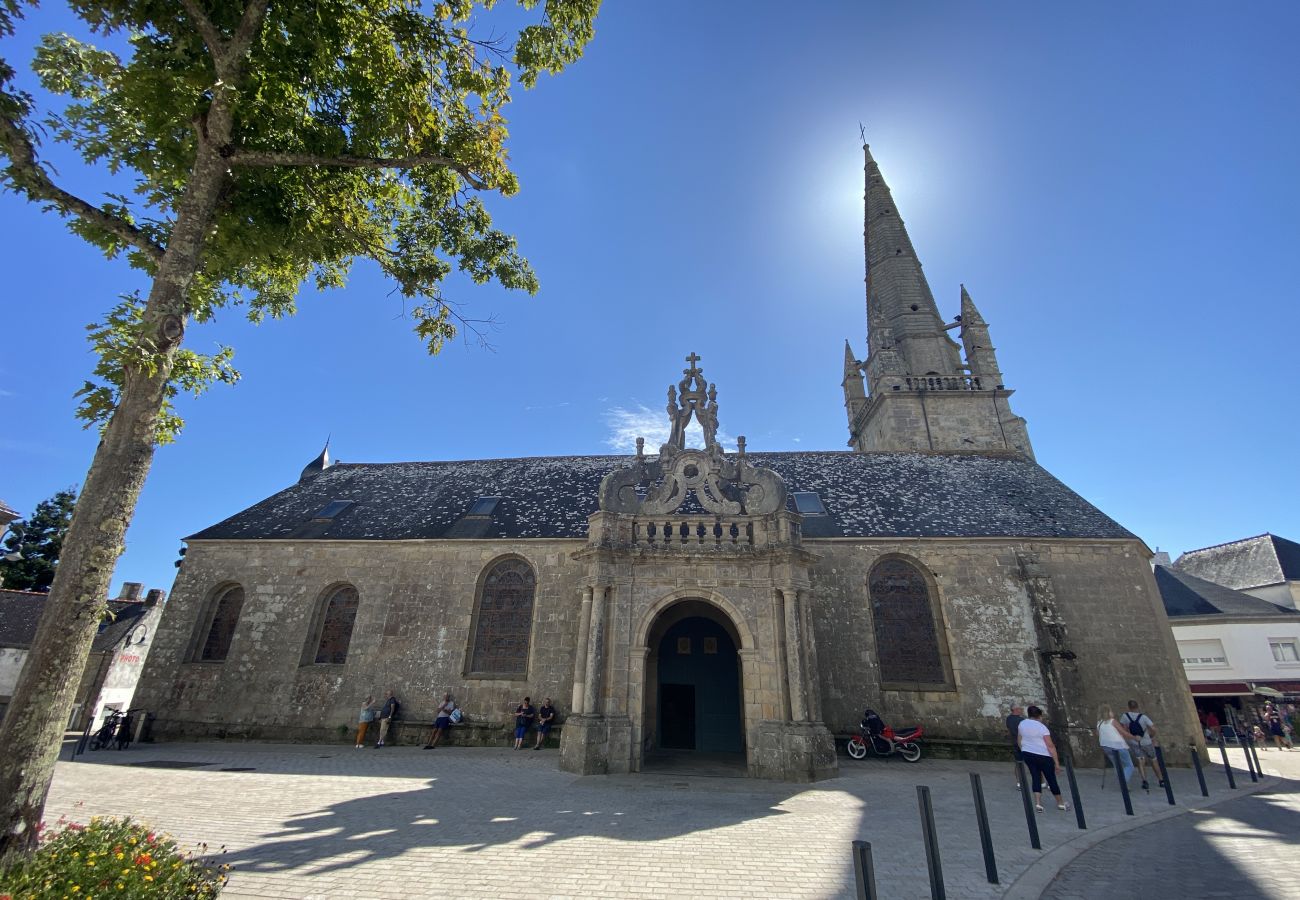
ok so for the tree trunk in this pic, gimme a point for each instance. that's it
(32, 731)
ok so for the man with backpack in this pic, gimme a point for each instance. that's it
(1142, 735)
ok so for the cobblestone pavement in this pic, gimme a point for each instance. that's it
(1241, 849)
(328, 821)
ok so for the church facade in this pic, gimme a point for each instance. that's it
(695, 598)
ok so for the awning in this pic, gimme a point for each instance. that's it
(1222, 689)
(1264, 691)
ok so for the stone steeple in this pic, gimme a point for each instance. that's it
(980, 354)
(896, 287)
(920, 393)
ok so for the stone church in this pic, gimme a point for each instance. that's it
(695, 598)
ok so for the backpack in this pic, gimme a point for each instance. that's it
(1134, 725)
(457, 716)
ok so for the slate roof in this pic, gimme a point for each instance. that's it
(1252, 562)
(1187, 595)
(20, 613)
(865, 494)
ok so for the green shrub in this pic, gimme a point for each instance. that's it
(110, 858)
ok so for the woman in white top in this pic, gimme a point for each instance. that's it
(1040, 756)
(1114, 739)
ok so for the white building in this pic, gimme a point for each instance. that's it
(1234, 646)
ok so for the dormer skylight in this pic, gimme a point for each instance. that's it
(808, 503)
(484, 506)
(334, 508)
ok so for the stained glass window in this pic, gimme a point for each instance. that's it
(336, 626)
(505, 620)
(907, 638)
(216, 646)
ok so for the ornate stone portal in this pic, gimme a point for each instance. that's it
(696, 534)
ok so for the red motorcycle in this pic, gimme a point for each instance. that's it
(877, 737)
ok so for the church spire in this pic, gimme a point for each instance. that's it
(855, 391)
(897, 291)
(980, 354)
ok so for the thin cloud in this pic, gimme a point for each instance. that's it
(627, 424)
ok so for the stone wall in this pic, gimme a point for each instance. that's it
(417, 601)
(411, 633)
(948, 421)
(1106, 597)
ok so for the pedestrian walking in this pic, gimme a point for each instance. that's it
(1142, 742)
(524, 715)
(441, 721)
(1013, 734)
(1041, 758)
(390, 710)
(1276, 729)
(1114, 739)
(545, 718)
(363, 721)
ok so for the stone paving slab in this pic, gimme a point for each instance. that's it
(329, 821)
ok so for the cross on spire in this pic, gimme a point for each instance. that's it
(693, 359)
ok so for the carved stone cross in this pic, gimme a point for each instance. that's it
(693, 359)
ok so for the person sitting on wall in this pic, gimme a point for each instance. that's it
(441, 721)
(387, 714)
(545, 718)
(524, 715)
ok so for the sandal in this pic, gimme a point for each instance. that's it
(1063, 807)
(1038, 807)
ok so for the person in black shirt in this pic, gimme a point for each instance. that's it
(1013, 730)
(386, 716)
(545, 718)
(524, 715)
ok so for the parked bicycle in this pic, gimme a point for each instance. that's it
(115, 731)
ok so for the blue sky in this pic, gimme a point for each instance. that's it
(1115, 184)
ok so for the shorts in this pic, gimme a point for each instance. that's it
(442, 723)
(544, 728)
(520, 731)
(1142, 750)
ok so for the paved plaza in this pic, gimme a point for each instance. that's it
(308, 821)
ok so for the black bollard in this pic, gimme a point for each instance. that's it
(1252, 759)
(1255, 751)
(1227, 766)
(1200, 773)
(986, 835)
(931, 837)
(1123, 790)
(864, 871)
(1030, 821)
(1169, 782)
(1074, 795)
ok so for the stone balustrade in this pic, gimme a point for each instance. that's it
(673, 532)
(942, 383)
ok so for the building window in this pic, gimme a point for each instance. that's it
(336, 620)
(1202, 654)
(1285, 650)
(909, 644)
(221, 629)
(504, 620)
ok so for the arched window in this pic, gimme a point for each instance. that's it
(221, 628)
(335, 633)
(909, 645)
(504, 620)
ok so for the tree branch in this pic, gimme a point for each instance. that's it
(27, 174)
(209, 32)
(264, 159)
(249, 26)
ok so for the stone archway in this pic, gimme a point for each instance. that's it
(693, 684)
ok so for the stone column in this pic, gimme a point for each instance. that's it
(580, 653)
(812, 682)
(794, 655)
(595, 681)
(778, 644)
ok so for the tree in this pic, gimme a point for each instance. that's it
(266, 145)
(39, 540)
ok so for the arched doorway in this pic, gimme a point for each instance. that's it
(694, 683)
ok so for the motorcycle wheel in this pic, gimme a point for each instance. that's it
(856, 748)
(910, 751)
